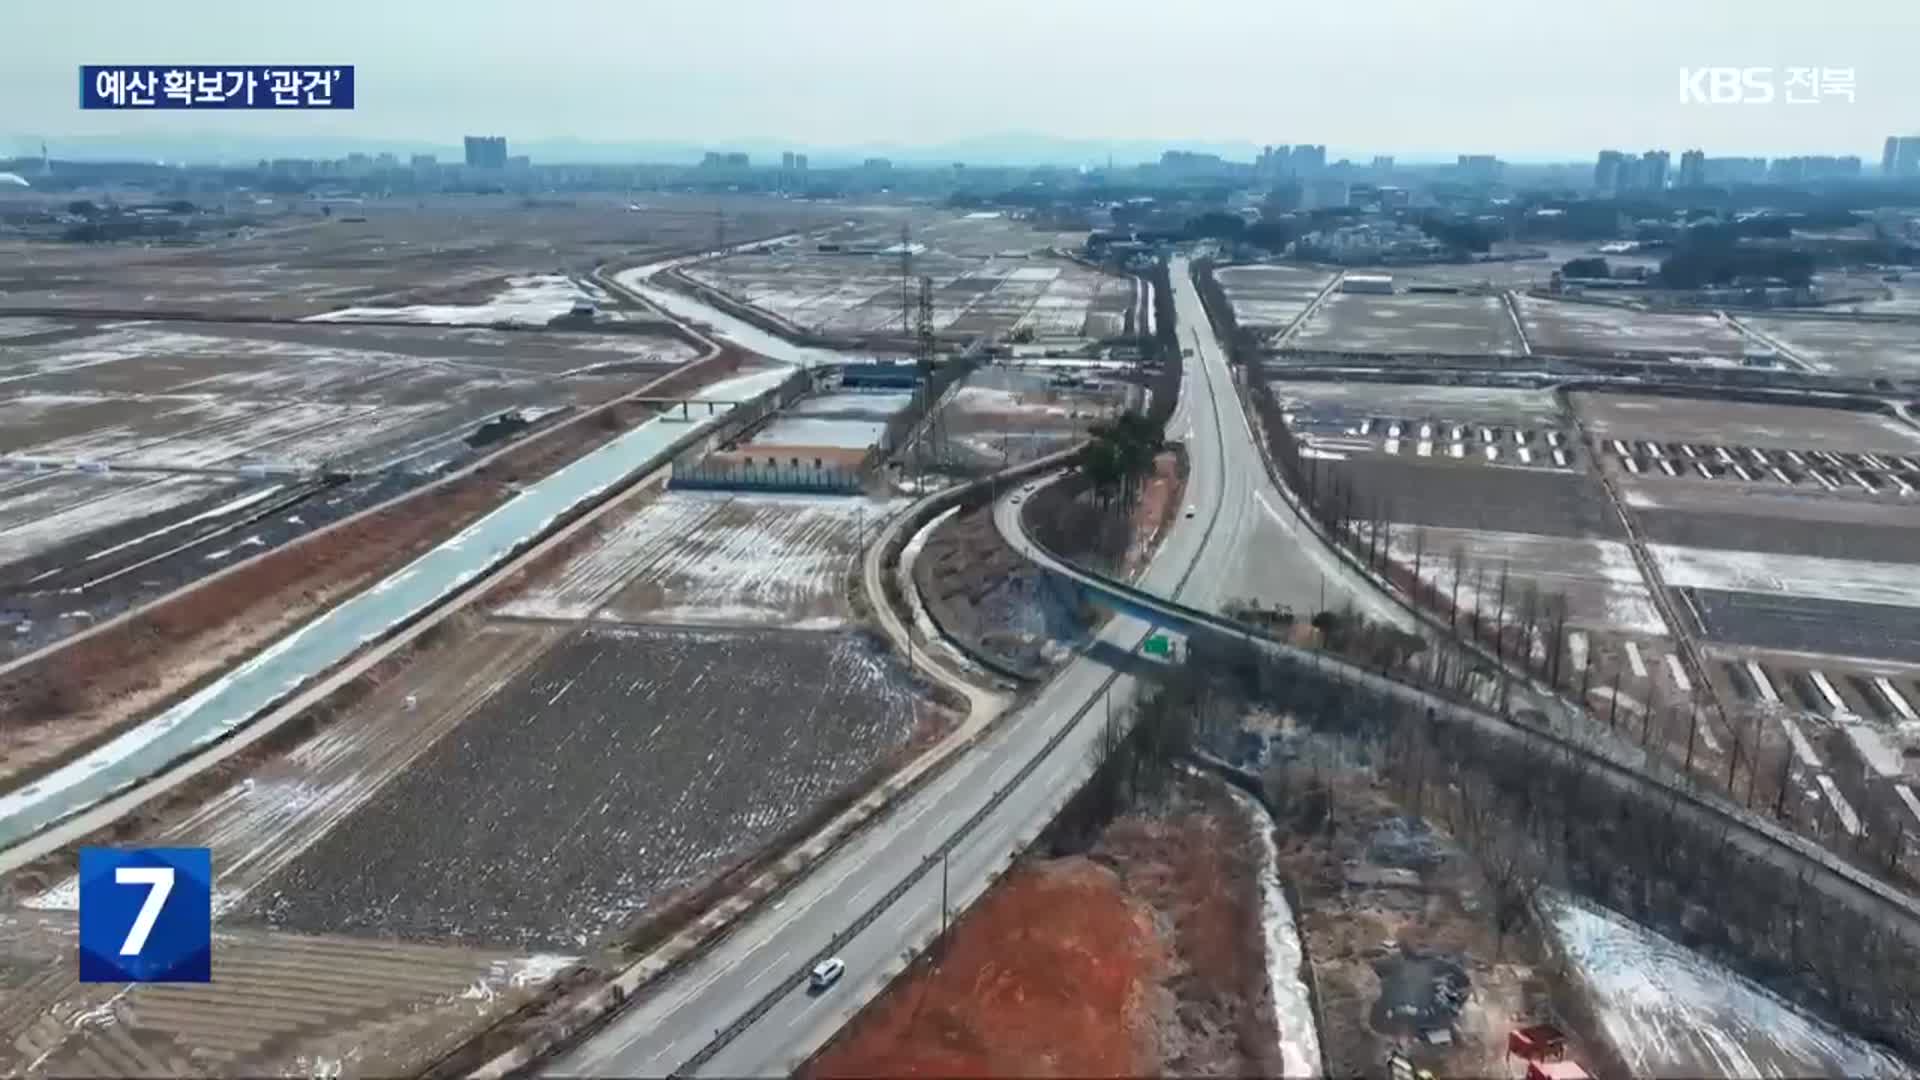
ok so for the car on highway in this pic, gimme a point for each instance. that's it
(826, 973)
(1189, 511)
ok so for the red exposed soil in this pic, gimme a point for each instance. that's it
(1141, 958)
(1159, 507)
(1050, 975)
(77, 696)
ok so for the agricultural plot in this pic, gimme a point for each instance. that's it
(1270, 297)
(1555, 326)
(1771, 519)
(1739, 423)
(1410, 323)
(1413, 491)
(626, 764)
(532, 300)
(1599, 580)
(1010, 415)
(1848, 347)
(995, 294)
(713, 558)
(1798, 603)
(1670, 1012)
(146, 398)
(42, 513)
(285, 260)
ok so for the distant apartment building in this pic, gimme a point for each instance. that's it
(720, 159)
(1796, 170)
(1478, 168)
(1653, 170)
(876, 164)
(1901, 156)
(424, 162)
(1383, 163)
(1693, 169)
(486, 152)
(1308, 159)
(1734, 170)
(799, 163)
(1606, 170)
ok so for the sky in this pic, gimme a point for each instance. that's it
(1417, 78)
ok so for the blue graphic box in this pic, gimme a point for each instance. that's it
(146, 915)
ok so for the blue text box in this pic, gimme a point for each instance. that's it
(216, 86)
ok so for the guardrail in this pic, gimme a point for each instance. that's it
(1798, 848)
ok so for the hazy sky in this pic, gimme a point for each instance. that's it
(1526, 80)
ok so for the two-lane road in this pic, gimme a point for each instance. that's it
(1008, 786)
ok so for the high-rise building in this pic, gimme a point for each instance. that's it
(1735, 170)
(1307, 159)
(1693, 169)
(1478, 168)
(1902, 156)
(486, 151)
(1383, 163)
(1653, 169)
(1606, 170)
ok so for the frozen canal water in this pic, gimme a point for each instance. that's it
(1292, 1003)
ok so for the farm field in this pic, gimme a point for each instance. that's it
(1848, 347)
(1410, 323)
(1670, 1012)
(714, 558)
(1011, 414)
(628, 763)
(1414, 491)
(1585, 329)
(990, 276)
(1741, 423)
(1599, 579)
(440, 250)
(1270, 297)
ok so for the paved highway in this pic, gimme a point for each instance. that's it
(1034, 759)
(742, 1008)
(981, 810)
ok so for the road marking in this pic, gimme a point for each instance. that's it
(1827, 691)
(1762, 684)
(1842, 809)
(1895, 698)
(1633, 659)
(1802, 749)
(1679, 672)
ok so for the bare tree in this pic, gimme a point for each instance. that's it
(1459, 572)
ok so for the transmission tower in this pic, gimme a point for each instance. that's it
(924, 360)
(906, 282)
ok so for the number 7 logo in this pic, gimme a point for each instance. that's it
(159, 882)
(146, 915)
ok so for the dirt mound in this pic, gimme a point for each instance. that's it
(1052, 974)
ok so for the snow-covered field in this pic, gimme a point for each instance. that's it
(860, 294)
(107, 501)
(534, 300)
(1556, 324)
(714, 558)
(1602, 584)
(1671, 1012)
(1852, 580)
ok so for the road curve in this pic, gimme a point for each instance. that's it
(741, 1008)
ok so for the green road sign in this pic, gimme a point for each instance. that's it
(1158, 645)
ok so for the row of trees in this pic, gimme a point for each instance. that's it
(1533, 814)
